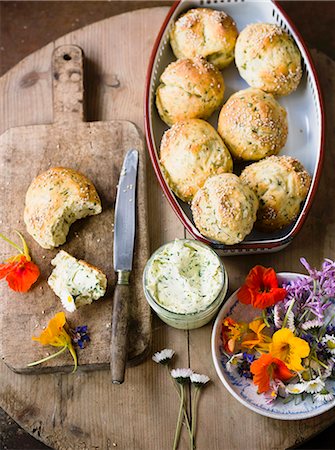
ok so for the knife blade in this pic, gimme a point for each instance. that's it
(124, 239)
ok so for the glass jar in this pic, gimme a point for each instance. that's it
(194, 319)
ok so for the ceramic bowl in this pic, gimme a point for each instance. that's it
(243, 389)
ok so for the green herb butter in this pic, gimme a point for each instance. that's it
(184, 277)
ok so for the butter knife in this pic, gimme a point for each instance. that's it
(124, 238)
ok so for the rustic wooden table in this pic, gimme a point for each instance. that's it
(85, 411)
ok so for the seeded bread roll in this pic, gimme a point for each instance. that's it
(189, 89)
(281, 184)
(191, 151)
(76, 283)
(205, 32)
(54, 200)
(224, 209)
(268, 59)
(253, 125)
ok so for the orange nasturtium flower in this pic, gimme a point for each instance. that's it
(19, 271)
(56, 335)
(255, 338)
(289, 348)
(232, 332)
(267, 368)
(261, 288)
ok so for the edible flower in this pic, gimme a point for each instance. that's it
(314, 386)
(182, 376)
(19, 271)
(256, 338)
(232, 332)
(56, 335)
(199, 380)
(323, 396)
(164, 356)
(80, 336)
(268, 368)
(261, 288)
(289, 348)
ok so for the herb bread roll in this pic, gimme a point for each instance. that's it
(76, 283)
(189, 89)
(190, 152)
(268, 59)
(281, 184)
(54, 200)
(224, 209)
(205, 32)
(253, 125)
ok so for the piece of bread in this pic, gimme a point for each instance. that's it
(190, 152)
(76, 283)
(54, 200)
(189, 89)
(205, 32)
(224, 209)
(267, 58)
(253, 125)
(281, 184)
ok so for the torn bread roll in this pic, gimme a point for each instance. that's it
(76, 282)
(54, 201)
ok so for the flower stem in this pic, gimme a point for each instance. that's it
(265, 320)
(11, 243)
(25, 246)
(319, 362)
(48, 357)
(179, 421)
(194, 416)
(184, 409)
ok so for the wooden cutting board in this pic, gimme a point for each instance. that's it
(96, 149)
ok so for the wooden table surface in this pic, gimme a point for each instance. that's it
(84, 411)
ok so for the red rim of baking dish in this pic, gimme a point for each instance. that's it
(279, 242)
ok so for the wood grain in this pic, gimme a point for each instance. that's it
(96, 149)
(85, 411)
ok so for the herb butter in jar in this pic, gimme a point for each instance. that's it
(185, 283)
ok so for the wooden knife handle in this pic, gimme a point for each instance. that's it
(119, 342)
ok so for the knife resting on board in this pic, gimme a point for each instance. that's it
(124, 238)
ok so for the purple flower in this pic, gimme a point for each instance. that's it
(313, 273)
(80, 336)
(243, 367)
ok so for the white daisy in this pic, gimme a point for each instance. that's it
(315, 323)
(67, 301)
(164, 356)
(329, 341)
(323, 397)
(290, 321)
(315, 385)
(277, 316)
(199, 380)
(296, 388)
(330, 365)
(181, 375)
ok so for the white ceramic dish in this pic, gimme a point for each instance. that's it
(244, 390)
(305, 116)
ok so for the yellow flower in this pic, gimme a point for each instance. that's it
(289, 348)
(56, 335)
(256, 338)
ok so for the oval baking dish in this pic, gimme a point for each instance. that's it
(304, 108)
